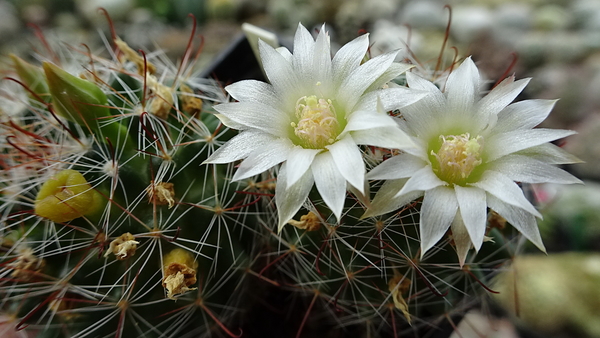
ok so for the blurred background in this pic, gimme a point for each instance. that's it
(556, 42)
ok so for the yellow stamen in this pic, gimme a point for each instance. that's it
(457, 157)
(317, 124)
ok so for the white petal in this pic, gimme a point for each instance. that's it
(257, 115)
(462, 87)
(473, 211)
(349, 57)
(391, 73)
(399, 166)
(354, 86)
(500, 97)
(499, 145)
(304, 49)
(289, 200)
(363, 197)
(427, 115)
(520, 219)
(523, 115)
(349, 161)
(231, 124)
(438, 100)
(253, 91)
(422, 180)
(329, 182)
(298, 162)
(391, 98)
(240, 146)
(505, 190)
(263, 159)
(419, 149)
(361, 120)
(437, 212)
(461, 238)
(521, 168)
(322, 66)
(280, 73)
(387, 199)
(549, 153)
(287, 55)
(386, 137)
(416, 82)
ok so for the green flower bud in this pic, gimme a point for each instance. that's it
(75, 99)
(32, 76)
(82, 102)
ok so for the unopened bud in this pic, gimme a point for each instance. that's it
(66, 196)
(31, 76)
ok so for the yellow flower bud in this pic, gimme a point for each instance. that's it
(66, 196)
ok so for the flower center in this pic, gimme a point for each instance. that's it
(457, 157)
(317, 124)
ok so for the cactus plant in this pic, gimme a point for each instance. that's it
(123, 213)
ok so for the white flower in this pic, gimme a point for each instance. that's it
(311, 117)
(470, 152)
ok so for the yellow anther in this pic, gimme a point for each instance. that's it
(457, 157)
(317, 124)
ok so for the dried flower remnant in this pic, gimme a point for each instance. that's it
(189, 103)
(66, 196)
(64, 308)
(27, 265)
(123, 246)
(162, 102)
(496, 221)
(161, 193)
(308, 222)
(130, 55)
(399, 285)
(179, 272)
